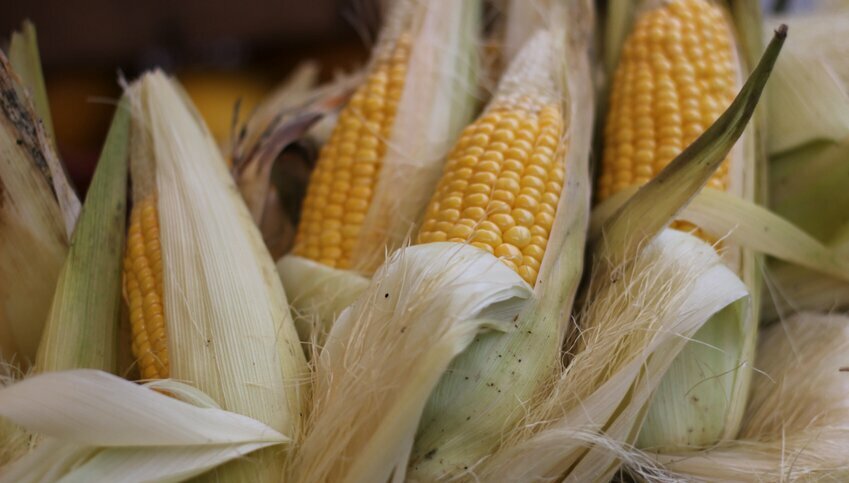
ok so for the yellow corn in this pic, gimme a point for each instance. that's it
(501, 185)
(143, 291)
(342, 184)
(676, 76)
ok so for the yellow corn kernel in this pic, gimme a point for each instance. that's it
(342, 184)
(676, 76)
(143, 291)
(501, 185)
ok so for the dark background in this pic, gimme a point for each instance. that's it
(221, 50)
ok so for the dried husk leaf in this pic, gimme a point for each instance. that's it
(26, 62)
(34, 236)
(437, 102)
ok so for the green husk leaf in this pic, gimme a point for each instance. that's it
(26, 62)
(81, 331)
(387, 351)
(658, 202)
(482, 396)
(618, 21)
(88, 436)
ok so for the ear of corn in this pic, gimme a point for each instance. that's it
(467, 416)
(374, 175)
(82, 326)
(719, 389)
(33, 225)
(227, 328)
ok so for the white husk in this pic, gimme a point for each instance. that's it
(797, 422)
(99, 427)
(632, 329)
(388, 350)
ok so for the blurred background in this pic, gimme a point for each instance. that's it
(220, 50)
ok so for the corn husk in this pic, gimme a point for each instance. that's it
(34, 234)
(229, 330)
(289, 113)
(98, 427)
(387, 351)
(631, 331)
(437, 102)
(481, 397)
(809, 138)
(721, 383)
(797, 422)
(82, 326)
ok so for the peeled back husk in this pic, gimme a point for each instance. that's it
(481, 397)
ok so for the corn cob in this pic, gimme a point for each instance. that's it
(679, 71)
(342, 184)
(532, 173)
(143, 290)
(502, 183)
(677, 74)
